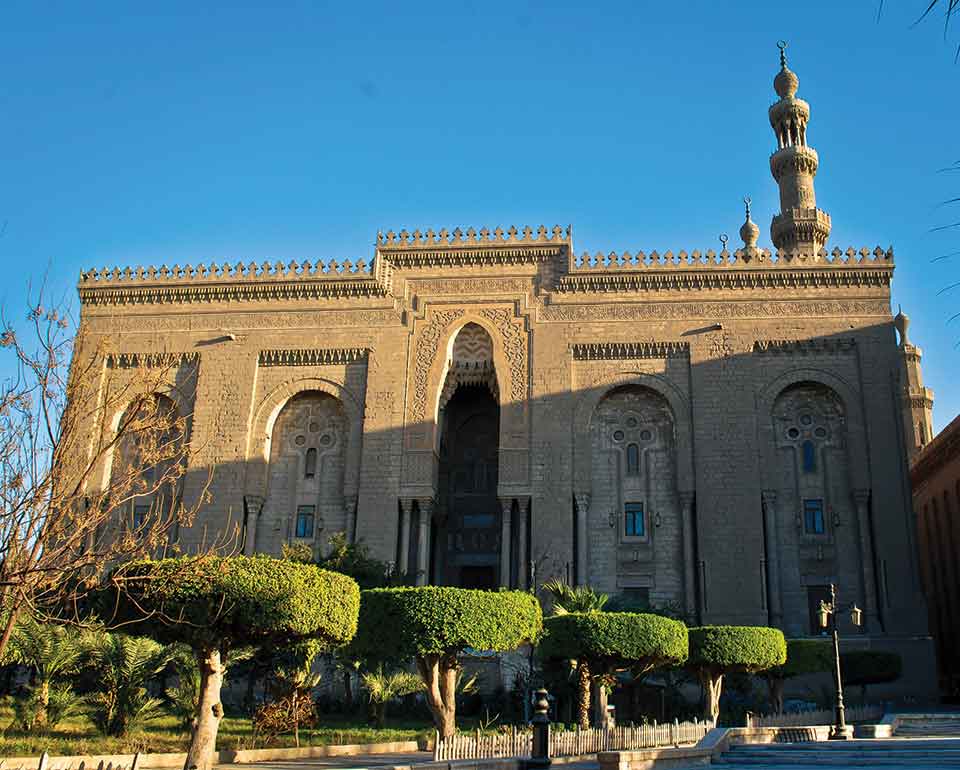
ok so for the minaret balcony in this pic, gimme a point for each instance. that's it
(796, 159)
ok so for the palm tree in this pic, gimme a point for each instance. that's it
(568, 598)
(51, 653)
(383, 688)
(124, 665)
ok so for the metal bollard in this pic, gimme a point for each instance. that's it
(540, 756)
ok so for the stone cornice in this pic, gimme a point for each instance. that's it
(803, 347)
(311, 357)
(592, 351)
(138, 359)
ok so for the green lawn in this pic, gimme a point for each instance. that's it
(78, 736)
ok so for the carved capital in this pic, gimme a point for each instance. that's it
(253, 504)
(769, 498)
(506, 505)
(406, 505)
(686, 498)
(426, 506)
(583, 501)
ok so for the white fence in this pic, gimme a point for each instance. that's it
(868, 713)
(45, 764)
(514, 742)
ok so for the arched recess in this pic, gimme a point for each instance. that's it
(598, 390)
(265, 415)
(856, 434)
(508, 337)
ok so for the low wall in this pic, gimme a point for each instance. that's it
(225, 757)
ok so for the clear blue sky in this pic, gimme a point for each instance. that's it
(199, 131)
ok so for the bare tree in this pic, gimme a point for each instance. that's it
(93, 459)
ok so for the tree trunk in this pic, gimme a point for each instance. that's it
(598, 697)
(775, 685)
(203, 742)
(380, 715)
(347, 691)
(712, 686)
(295, 699)
(439, 674)
(583, 694)
(43, 703)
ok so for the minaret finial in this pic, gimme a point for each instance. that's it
(749, 232)
(782, 45)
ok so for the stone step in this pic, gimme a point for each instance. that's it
(858, 761)
(879, 745)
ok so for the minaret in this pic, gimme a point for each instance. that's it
(800, 226)
(916, 400)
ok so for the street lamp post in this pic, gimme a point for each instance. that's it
(828, 613)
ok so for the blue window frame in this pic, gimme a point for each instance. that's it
(809, 457)
(634, 524)
(813, 521)
(140, 515)
(633, 460)
(305, 520)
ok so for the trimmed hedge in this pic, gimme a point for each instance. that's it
(216, 601)
(865, 667)
(805, 656)
(399, 623)
(615, 636)
(736, 648)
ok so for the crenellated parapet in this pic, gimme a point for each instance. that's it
(744, 268)
(240, 281)
(473, 247)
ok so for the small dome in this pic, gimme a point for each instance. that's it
(786, 83)
(749, 232)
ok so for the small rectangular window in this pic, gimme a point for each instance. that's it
(140, 515)
(634, 524)
(813, 522)
(305, 520)
(809, 457)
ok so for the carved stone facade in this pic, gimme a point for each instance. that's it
(720, 432)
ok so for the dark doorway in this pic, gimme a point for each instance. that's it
(468, 542)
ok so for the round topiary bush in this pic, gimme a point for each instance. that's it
(719, 650)
(433, 624)
(804, 656)
(860, 668)
(601, 642)
(214, 604)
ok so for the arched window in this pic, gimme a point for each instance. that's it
(310, 466)
(809, 457)
(633, 460)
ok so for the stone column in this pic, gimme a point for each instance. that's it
(689, 567)
(406, 517)
(253, 506)
(523, 510)
(350, 504)
(425, 504)
(583, 515)
(506, 533)
(861, 497)
(770, 546)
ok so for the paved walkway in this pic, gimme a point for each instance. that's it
(329, 763)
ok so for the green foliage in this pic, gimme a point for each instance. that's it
(221, 602)
(567, 598)
(727, 649)
(354, 559)
(38, 710)
(399, 623)
(382, 688)
(124, 665)
(865, 667)
(616, 638)
(805, 656)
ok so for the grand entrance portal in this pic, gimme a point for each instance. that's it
(466, 543)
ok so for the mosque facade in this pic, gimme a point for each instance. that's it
(723, 432)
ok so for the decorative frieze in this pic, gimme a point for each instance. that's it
(592, 351)
(348, 288)
(660, 311)
(311, 357)
(150, 360)
(803, 347)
